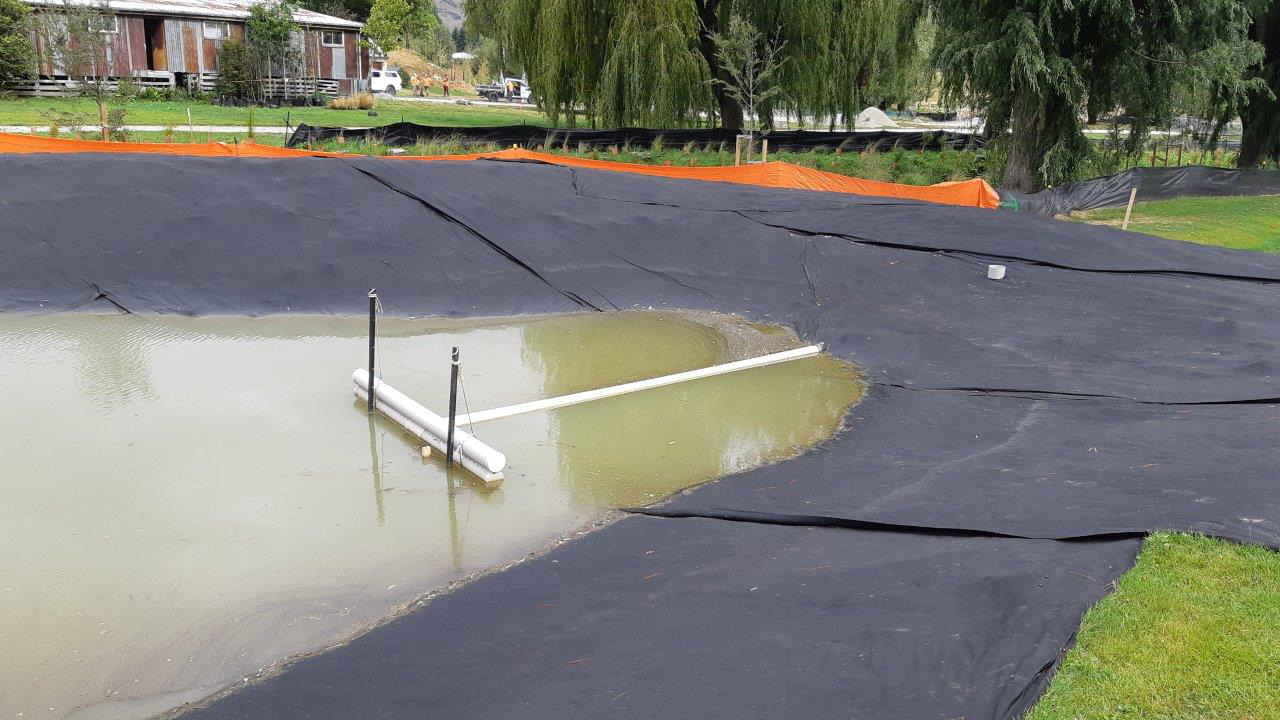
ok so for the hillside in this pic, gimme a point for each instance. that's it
(450, 12)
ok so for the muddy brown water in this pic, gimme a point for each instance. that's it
(184, 502)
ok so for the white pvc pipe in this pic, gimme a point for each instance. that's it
(589, 395)
(417, 419)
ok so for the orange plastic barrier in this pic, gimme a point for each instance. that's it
(14, 143)
(971, 193)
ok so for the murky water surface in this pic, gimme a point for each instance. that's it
(186, 501)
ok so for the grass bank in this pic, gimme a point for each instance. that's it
(1192, 632)
(28, 111)
(1246, 223)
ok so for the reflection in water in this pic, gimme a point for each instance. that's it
(197, 499)
(375, 468)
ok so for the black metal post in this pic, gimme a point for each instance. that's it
(453, 409)
(373, 343)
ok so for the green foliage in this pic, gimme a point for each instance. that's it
(1260, 113)
(650, 74)
(751, 63)
(17, 55)
(237, 70)
(269, 31)
(412, 24)
(387, 22)
(1035, 66)
(651, 61)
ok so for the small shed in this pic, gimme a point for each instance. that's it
(174, 43)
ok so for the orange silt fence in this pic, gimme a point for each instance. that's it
(970, 193)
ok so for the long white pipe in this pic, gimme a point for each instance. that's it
(565, 400)
(475, 455)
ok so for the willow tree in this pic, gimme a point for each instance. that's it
(653, 62)
(1260, 114)
(1033, 68)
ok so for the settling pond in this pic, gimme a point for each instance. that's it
(184, 502)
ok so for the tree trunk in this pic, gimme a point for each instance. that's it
(102, 118)
(1260, 115)
(1026, 149)
(708, 24)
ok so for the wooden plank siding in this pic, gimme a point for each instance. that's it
(191, 50)
(137, 34)
(350, 43)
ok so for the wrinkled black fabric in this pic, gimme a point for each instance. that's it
(531, 136)
(696, 618)
(1153, 183)
(1113, 384)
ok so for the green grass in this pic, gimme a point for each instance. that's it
(27, 111)
(1246, 223)
(1191, 633)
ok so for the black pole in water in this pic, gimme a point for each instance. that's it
(373, 342)
(453, 410)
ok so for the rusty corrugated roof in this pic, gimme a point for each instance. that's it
(219, 9)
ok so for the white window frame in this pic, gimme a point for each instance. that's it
(222, 26)
(325, 42)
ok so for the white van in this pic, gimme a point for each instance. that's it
(385, 81)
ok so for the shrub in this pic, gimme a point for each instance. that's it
(359, 101)
(237, 70)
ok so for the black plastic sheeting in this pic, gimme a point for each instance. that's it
(532, 136)
(708, 619)
(931, 561)
(1153, 183)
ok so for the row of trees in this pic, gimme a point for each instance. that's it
(394, 24)
(1036, 70)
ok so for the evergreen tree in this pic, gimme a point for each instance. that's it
(1034, 67)
(17, 54)
(1261, 112)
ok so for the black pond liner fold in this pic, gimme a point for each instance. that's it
(1153, 183)
(401, 134)
(932, 560)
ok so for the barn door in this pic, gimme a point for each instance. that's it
(153, 29)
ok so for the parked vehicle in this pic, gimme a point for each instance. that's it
(507, 89)
(385, 81)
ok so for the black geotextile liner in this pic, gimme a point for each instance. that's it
(1113, 384)
(698, 618)
(1153, 183)
(531, 136)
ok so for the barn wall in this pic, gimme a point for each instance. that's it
(188, 51)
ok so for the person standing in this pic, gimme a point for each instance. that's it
(445, 85)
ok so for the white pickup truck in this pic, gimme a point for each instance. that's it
(385, 81)
(507, 89)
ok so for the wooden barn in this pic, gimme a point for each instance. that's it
(174, 43)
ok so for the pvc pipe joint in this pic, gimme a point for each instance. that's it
(474, 454)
